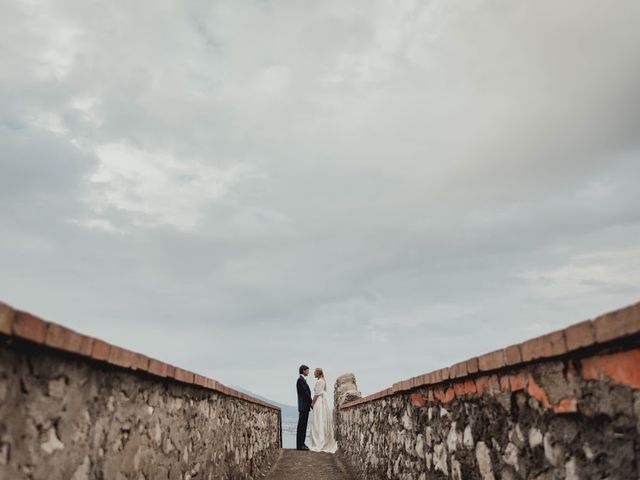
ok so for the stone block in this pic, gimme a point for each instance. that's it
(566, 405)
(100, 350)
(211, 384)
(187, 377)
(469, 387)
(200, 380)
(472, 365)
(512, 355)
(545, 346)
(621, 367)
(29, 327)
(7, 315)
(518, 382)
(417, 400)
(491, 361)
(444, 395)
(458, 370)
(121, 357)
(620, 323)
(580, 335)
(441, 375)
(505, 384)
(483, 457)
(537, 392)
(158, 368)
(421, 380)
(66, 339)
(482, 384)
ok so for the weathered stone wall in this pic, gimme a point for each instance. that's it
(563, 406)
(69, 416)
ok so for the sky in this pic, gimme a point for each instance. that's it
(376, 187)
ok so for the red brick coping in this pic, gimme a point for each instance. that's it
(620, 367)
(23, 325)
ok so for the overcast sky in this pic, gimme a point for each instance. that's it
(376, 187)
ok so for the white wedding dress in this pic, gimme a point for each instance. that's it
(322, 439)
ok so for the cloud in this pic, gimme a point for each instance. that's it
(596, 273)
(163, 189)
(39, 162)
(378, 187)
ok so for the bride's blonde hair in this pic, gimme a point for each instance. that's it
(319, 370)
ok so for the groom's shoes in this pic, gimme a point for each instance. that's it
(304, 447)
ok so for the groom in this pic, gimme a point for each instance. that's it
(304, 405)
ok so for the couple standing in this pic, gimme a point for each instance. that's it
(322, 439)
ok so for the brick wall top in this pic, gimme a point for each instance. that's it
(605, 329)
(23, 325)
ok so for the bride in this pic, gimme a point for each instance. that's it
(322, 439)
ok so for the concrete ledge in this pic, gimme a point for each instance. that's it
(603, 330)
(25, 326)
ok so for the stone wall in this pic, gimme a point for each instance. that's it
(76, 408)
(562, 406)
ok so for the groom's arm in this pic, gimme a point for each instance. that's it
(312, 401)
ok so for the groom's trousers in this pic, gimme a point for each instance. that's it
(303, 420)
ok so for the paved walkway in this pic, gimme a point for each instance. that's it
(298, 465)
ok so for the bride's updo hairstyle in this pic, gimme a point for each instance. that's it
(320, 372)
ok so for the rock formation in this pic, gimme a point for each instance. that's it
(345, 389)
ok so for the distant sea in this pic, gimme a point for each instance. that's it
(289, 427)
(289, 420)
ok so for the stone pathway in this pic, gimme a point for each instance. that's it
(297, 465)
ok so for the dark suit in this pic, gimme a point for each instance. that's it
(304, 405)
